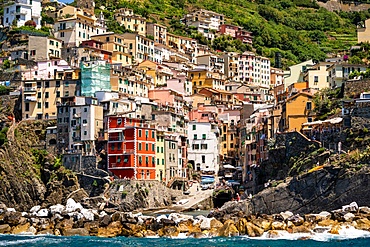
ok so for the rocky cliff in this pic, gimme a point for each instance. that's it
(325, 189)
(28, 175)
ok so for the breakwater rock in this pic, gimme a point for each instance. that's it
(74, 219)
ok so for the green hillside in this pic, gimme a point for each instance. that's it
(299, 29)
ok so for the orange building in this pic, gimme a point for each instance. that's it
(131, 148)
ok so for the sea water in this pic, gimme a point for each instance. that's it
(49, 240)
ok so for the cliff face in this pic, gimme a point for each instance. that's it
(29, 176)
(323, 190)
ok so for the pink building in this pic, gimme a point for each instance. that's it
(237, 33)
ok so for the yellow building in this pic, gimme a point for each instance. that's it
(160, 74)
(40, 97)
(317, 76)
(297, 109)
(198, 98)
(160, 162)
(202, 78)
(126, 17)
(173, 41)
(115, 43)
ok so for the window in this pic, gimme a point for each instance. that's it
(39, 95)
(38, 105)
(139, 146)
(47, 84)
(309, 105)
(146, 146)
(85, 132)
(140, 159)
(47, 95)
(85, 109)
(58, 94)
(146, 160)
(203, 146)
(195, 136)
(153, 134)
(139, 133)
(153, 147)
(194, 127)
(203, 159)
(162, 150)
(46, 104)
(204, 136)
(119, 121)
(112, 146)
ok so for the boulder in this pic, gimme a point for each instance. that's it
(116, 216)
(65, 224)
(253, 230)
(32, 230)
(88, 214)
(216, 224)
(179, 217)
(352, 207)
(300, 229)
(335, 229)
(364, 210)
(276, 234)
(47, 232)
(241, 225)
(92, 227)
(228, 229)
(297, 220)
(349, 217)
(42, 213)
(35, 209)
(324, 223)
(168, 231)
(277, 225)
(187, 226)
(105, 220)
(197, 235)
(13, 218)
(362, 224)
(76, 231)
(5, 229)
(114, 229)
(149, 233)
(72, 206)
(21, 228)
(56, 209)
(263, 223)
(286, 215)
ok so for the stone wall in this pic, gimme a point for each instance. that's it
(353, 89)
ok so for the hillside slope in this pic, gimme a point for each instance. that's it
(299, 29)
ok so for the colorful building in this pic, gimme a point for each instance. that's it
(131, 148)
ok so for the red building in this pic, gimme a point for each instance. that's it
(237, 33)
(131, 148)
(97, 48)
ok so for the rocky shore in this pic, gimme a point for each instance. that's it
(74, 219)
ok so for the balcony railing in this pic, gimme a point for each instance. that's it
(29, 89)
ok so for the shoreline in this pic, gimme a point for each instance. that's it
(72, 219)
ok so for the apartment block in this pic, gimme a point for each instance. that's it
(126, 17)
(22, 11)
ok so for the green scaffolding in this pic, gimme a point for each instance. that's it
(95, 76)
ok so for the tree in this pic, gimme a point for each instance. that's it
(30, 23)
(355, 60)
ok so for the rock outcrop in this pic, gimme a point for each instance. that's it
(325, 189)
(29, 176)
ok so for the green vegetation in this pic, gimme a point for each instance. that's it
(298, 29)
(3, 136)
(327, 102)
(3, 89)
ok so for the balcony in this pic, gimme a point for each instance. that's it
(76, 138)
(29, 89)
(30, 99)
(36, 15)
(76, 127)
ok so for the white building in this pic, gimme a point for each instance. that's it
(22, 11)
(84, 118)
(203, 148)
(73, 26)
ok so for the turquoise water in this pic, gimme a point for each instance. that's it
(33, 241)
